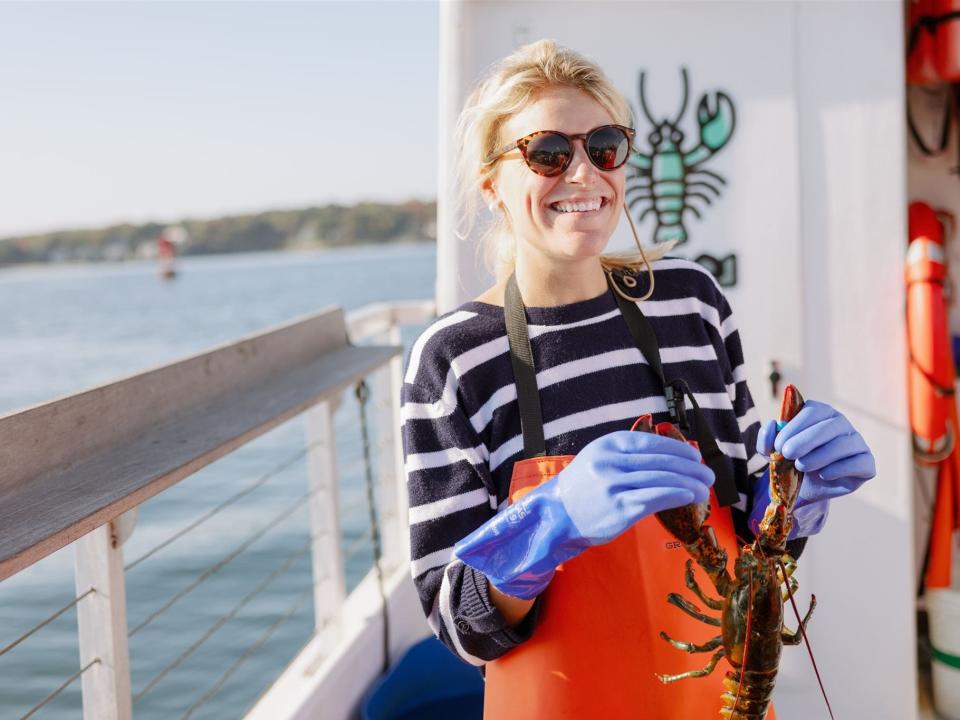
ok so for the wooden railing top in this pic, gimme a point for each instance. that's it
(70, 465)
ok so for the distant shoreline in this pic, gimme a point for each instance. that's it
(312, 229)
(151, 262)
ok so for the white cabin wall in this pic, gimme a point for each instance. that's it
(814, 208)
(850, 79)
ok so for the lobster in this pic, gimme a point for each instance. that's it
(752, 632)
(668, 179)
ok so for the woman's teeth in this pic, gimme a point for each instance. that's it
(588, 206)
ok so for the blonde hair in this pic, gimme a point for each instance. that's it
(509, 87)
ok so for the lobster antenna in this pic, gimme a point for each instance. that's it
(746, 644)
(643, 99)
(686, 96)
(806, 640)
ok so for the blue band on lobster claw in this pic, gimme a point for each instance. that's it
(781, 424)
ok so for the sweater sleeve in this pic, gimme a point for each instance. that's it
(731, 357)
(451, 493)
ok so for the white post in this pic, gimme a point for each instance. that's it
(329, 589)
(458, 277)
(393, 486)
(102, 623)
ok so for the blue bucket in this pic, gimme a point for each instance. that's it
(428, 683)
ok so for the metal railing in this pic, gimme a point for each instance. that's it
(246, 388)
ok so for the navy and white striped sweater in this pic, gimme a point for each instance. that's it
(461, 422)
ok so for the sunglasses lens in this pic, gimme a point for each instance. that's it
(548, 153)
(608, 148)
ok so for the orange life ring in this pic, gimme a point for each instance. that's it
(933, 407)
(931, 373)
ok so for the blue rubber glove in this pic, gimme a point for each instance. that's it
(833, 457)
(612, 483)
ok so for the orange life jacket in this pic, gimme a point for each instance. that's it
(921, 45)
(933, 47)
(947, 40)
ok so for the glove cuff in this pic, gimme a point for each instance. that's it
(520, 547)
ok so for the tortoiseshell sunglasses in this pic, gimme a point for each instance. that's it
(549, 152)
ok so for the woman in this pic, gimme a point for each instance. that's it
(533, 547)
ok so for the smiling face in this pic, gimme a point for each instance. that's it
(570, 217)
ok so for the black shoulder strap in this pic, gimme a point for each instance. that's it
(642, 333)
(646, 340)
(524, 374)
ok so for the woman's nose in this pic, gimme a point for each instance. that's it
(581, 169)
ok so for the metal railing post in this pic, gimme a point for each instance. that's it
(323, 506)
(102, 624)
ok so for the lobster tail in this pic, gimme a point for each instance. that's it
(756, 691)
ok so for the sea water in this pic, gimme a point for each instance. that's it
(67, 328)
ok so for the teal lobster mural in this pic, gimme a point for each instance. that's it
(668, 179)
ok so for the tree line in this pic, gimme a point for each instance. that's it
(309, 228)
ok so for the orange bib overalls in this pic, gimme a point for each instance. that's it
(596, 647)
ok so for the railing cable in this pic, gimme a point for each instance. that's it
(247, 653)
(66, 684)
(270, 474)
(363, 396)
(247, 543)
(43, 624)
(223, 621)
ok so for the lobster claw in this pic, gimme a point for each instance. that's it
(716, 125)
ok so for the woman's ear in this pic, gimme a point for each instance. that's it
(490, 196)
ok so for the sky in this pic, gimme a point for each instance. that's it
(115, 112)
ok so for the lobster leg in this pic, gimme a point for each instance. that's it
(666, 679)
(691, 647)
(692, 584)
(790, 564)
(709, 173)
(692, 610)
(704, 185)
(796, 638)
(794, 585)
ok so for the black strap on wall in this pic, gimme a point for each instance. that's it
(524, 374)
(646, 340)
